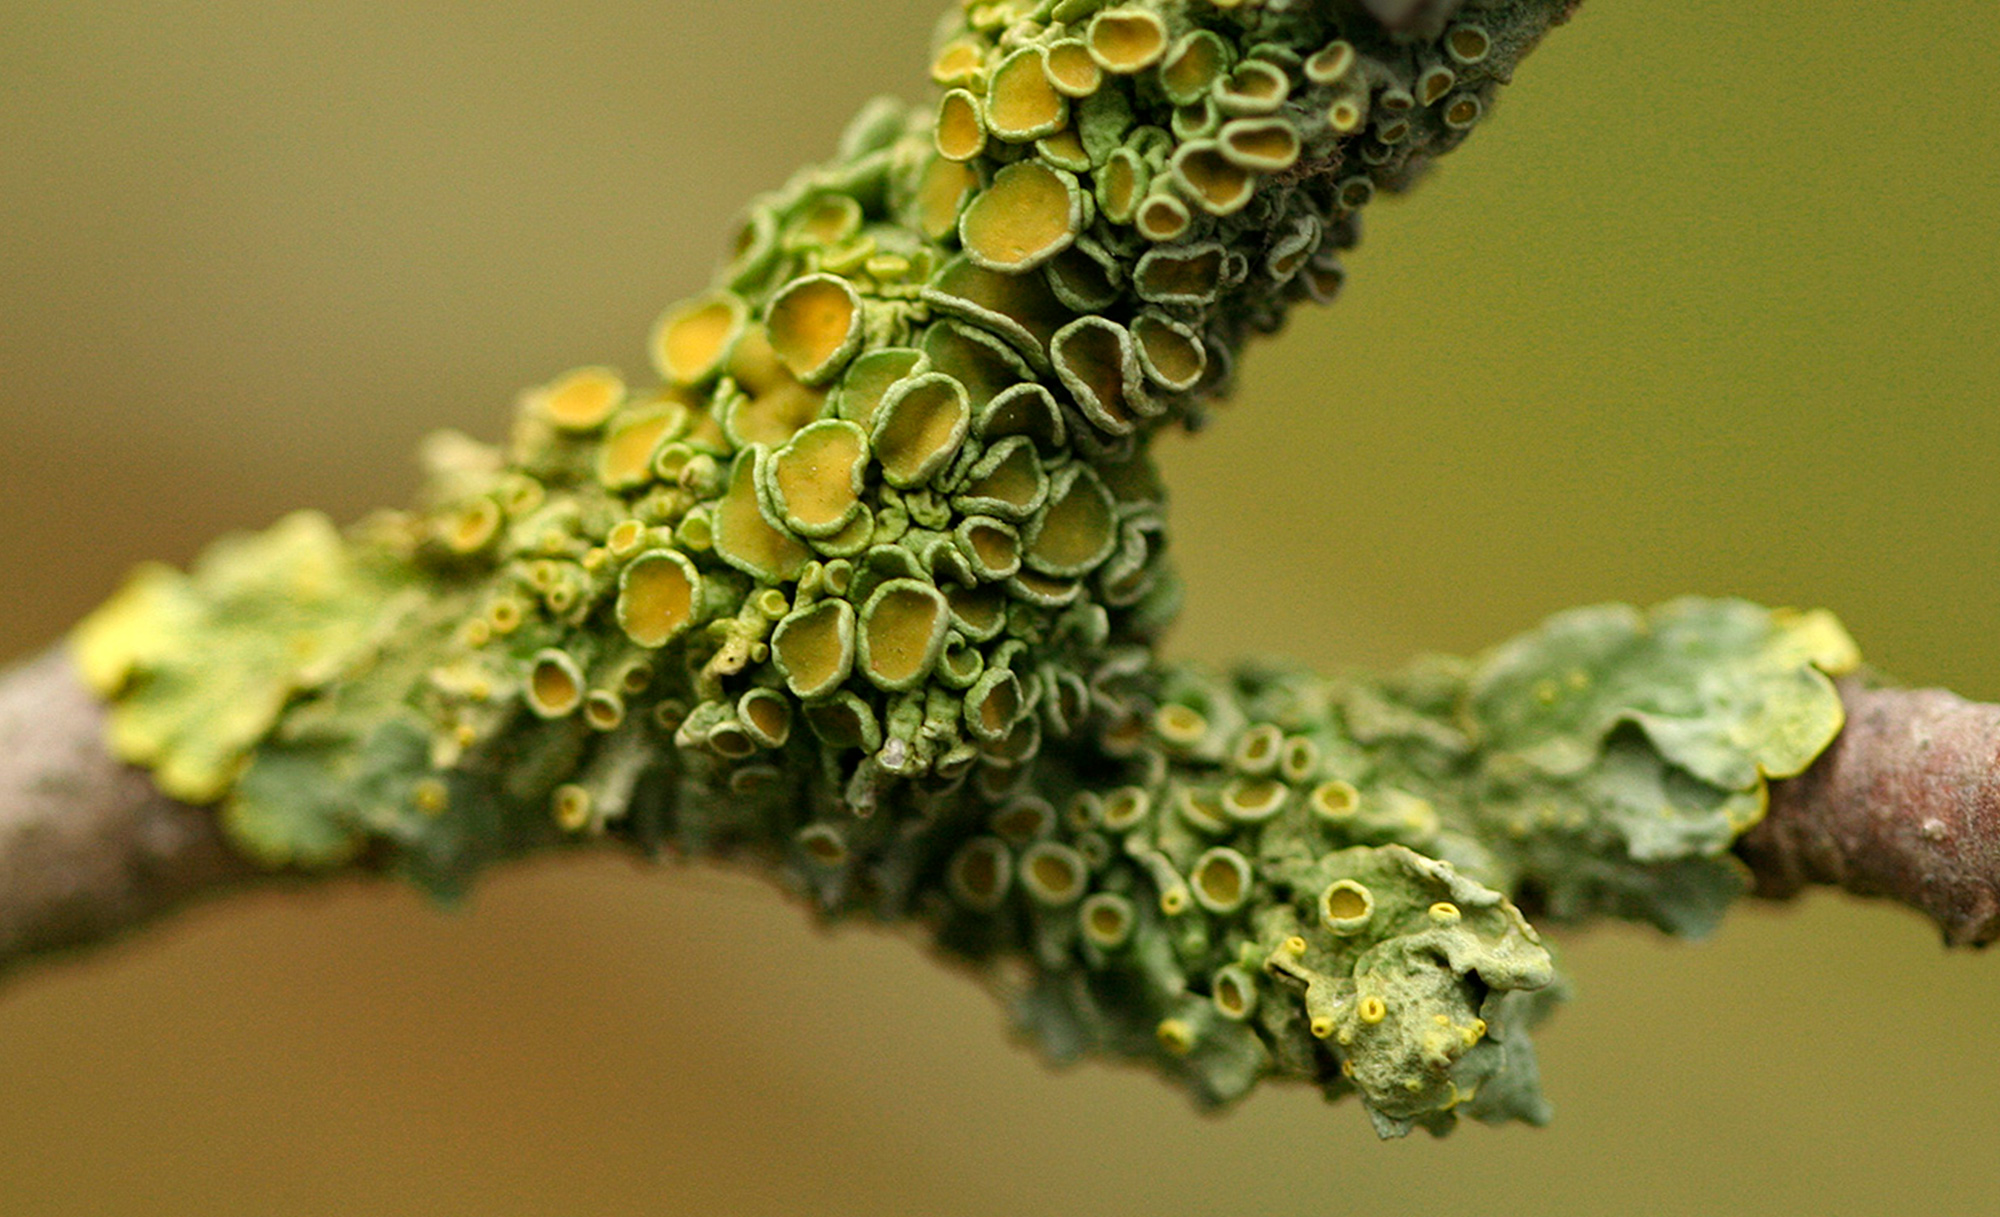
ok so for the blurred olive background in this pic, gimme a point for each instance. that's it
(1708, 306)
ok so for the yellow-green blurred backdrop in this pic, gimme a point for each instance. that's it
(1709, 305)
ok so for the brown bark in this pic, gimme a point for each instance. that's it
(1905, 804)
(88, 847)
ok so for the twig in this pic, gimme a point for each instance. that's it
(88, 847)
(1904, 805)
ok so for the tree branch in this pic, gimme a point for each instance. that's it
(1905, 804)
(88, 847)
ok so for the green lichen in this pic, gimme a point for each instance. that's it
(869, 585)
(296, 609)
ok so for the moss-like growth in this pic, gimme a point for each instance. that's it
(870, 586)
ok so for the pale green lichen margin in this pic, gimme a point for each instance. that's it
(868, 588)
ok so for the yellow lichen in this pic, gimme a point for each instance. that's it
(958, 62)
(1330, 63)
(1211, 180)
(626, 457)
(1072, 70)
(1346, 906)
(1107, 920)
(814, 326)
(744, 537)
(823, 844)
(1126, 808)
(1194, 63)
(1262, 145)
(472, 527)
(814, 647)
(920, 424)
(1468, 44)
(555, 684)
(1221, 880)
(1120, 184)
(980, 873)
(570, 805)
(1178, 724)
(1008, 481)
(902, 629)
(1095, 360)
(1029, 214)
(1127, 40)
(869, 378)
(603, 709)
(657, 597)
(1077, 529)
(1161, 217)
(1254, 800)
(1052, 873)
(1434, 84)
(940, 196)
(1021, 102)
(690, 341)
(817, 477)
(960, 131)
(766, 715)
(1233, 992)
(1335, 800)
(1252, 87)
(995, 549)
(582, 399)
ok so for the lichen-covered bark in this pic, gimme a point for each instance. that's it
(869, 583)
(891, 503)
(868, 586)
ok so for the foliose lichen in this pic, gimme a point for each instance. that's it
(867, 587)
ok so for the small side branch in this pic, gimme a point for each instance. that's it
(1904, 805)
(88, 847)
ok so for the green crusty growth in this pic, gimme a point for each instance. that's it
(868, 584)
(1374, 943)
(295, 608)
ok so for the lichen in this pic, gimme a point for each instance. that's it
(868, 588)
